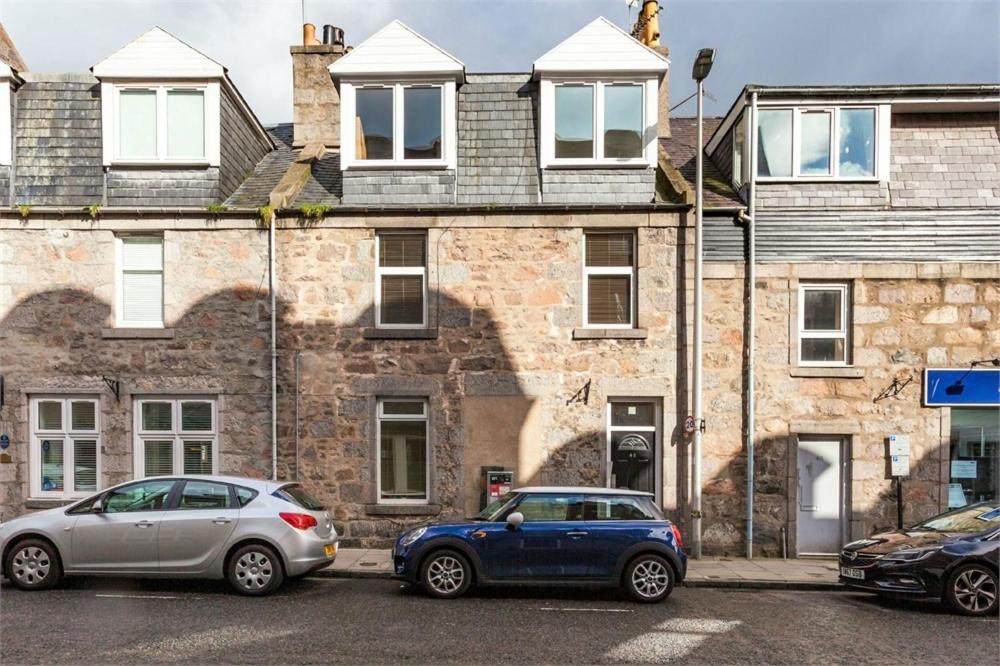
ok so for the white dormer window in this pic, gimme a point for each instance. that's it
(599, 91)
(397, 102)
(6, 76)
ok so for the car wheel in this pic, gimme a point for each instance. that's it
(972, 590)
(649, 579)
(445, 574)
(33, 564)
(255, 570)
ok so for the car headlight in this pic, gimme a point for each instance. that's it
(911, 554)
(410, 537)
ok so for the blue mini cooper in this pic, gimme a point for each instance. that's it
(563, 536)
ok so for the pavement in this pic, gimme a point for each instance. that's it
(759, 573)
(347, 621)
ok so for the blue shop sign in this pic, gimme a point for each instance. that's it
(976, 387)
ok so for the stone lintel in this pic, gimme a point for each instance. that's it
(831, 427)
(835, 373)
(137, 333)
(610, 334)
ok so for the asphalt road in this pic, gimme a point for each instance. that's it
(378, 621)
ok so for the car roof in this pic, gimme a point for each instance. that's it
(582, 489)
(260, 485)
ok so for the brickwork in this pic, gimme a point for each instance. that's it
(597, 186)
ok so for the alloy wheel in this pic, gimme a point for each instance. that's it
(254, 570)
(445, 574)
(31, 565)
(650, 579)
(975, 590)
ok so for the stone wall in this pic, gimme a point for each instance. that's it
(56, 335)
(905, 317)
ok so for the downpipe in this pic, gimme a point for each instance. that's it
(752, 319)
(272, 283)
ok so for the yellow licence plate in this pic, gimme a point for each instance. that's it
(330, 549)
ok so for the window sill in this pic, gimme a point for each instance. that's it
(610, 334)
(47, 503)
(831, 372)
(137, 333)
(400, 334)
(817, 179)
(402, 509)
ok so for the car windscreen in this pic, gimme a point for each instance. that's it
(972, 518)
(299, 497)
(495, 508)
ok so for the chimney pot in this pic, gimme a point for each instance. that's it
(309, 35)
(333, 35)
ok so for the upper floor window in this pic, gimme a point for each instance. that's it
(598, 123)
(139, 281)
(609, 280)
(808, 143)
(823, 324)
(65, 446)
(160, 124)
(401, 280)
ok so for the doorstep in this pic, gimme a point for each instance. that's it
(761, 573)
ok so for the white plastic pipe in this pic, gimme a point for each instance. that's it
(272, 285)
(751, 314)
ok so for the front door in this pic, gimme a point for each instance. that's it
(633, 446)
(194, 530)
(122, 538)
(820, 496)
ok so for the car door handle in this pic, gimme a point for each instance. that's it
(221, 520)
(576, 534)
(145, 523)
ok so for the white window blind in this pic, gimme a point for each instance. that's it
(185, 123)
(141, 295)
(175, 436)
(65, 446)
(137, 123)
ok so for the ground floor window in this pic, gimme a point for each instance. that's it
(402, 456)
(632, 444)
(975, 456)
(65, 446)
(175, 436)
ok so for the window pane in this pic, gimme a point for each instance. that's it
(403, 407)
(815, 144)
(185, 123)
(609, 299)
(52, 464)
(373, 124)
(148, 496)
(975, 456)
(50, 415)
(623, 121)
(421, 123)
(196, 416)
(739, 149)
(822, 309)
(156, 416)
(823, 350)
(204, 495)
(775, 141)
(198, 457)
(83, 415)
(403, 459)
(618, 508)
(142, 253)
(159, 457)
(540, 508)
(633, 414)
(85, 464)
(142, 297)
(609, 249)
(402, 250)
(402, 299)
(574, 121)
(137, 123)
(857, 142)
(244, 495)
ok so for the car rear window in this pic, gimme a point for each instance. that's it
(299, 497)
(244, 495)
(621, 507)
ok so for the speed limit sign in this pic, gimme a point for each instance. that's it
(689, 424)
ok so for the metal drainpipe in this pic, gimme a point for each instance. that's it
(272, 283)
(297, 354)
(696, 380)
(751, 313)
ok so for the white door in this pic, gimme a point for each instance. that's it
(820, 496)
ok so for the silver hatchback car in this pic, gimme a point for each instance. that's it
(253, 533)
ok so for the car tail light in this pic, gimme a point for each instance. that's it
(300, 521)
(677, 535)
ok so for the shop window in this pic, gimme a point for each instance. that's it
(65, 446)
(823, 324)
(975, 456)
(401, 280)
(403, 450)
(175, 436)
(609, 280)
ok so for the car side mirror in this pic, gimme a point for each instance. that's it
(97, 507)
(514, 520)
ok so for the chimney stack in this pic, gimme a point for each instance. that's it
(647, 31)
(315, 100)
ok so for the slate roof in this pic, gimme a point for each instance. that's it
(682, 150)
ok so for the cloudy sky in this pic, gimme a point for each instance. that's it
(768, 42)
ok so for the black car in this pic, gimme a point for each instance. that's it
(953, 557)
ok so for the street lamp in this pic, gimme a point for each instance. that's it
(702, 66)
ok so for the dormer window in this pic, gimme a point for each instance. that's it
(160, 124)
(598, 122)
(385, 113)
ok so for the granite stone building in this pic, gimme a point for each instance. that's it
(494, 271)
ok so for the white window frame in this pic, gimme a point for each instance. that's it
(881, 139)
(6, 136)
(449, 123)
(111, 128)
(631, 271)
(744, 159)
(844, 334)
(120, 322)
(650, 99)
(380, 416)
(68, 436)
(381, 271)
(176, 434)
(656, 429)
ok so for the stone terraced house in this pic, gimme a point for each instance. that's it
(493, 271)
